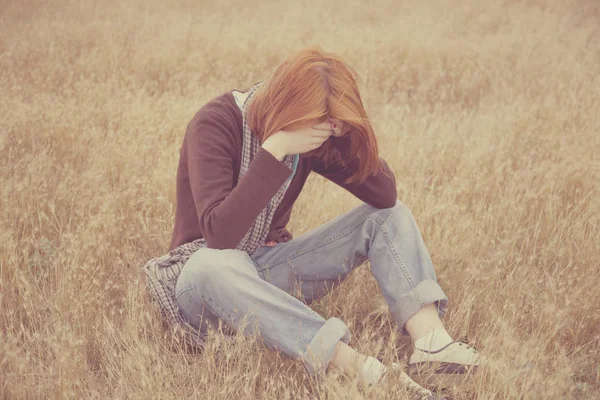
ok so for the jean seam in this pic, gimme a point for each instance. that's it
(401, 264)
(177, 295)
(312, 248)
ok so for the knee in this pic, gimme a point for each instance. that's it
(209, 267)
(399, 211)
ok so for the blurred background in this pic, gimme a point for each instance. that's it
(487, 111)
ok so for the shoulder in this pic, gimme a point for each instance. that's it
(218, 120)
(221, 110)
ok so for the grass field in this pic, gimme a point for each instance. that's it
(487, 111)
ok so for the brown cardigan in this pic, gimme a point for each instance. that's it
(211, 203)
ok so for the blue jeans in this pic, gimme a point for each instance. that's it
(230, 284)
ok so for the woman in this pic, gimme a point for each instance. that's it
(244, 160)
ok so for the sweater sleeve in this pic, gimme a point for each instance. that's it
(226, 213)
(378, 190)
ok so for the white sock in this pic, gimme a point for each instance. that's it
(371, 371)
(434, 340)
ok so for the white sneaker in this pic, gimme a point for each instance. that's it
(447, 366)
(413, 389)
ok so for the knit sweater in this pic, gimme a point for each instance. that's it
(213, 205)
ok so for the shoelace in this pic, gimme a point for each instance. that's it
(469, 347)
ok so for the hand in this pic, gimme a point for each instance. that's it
(270, 243)
(338, 127)
(300, 140)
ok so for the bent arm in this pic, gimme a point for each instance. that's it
(226, 213)
(378, 190)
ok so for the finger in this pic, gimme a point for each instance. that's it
(337, 131)
(318, 141)
(317, 144)
(317, 133)
(337, 126)
(323, 126)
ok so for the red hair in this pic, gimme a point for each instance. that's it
(307, 88)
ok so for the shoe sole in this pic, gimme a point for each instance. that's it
(443, 376)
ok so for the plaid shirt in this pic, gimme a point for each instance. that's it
(162, 272)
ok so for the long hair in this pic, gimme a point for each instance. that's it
(307, 88)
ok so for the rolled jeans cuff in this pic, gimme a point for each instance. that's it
(321, 349)
(426, 292)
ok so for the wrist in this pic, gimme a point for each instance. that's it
(275, 150)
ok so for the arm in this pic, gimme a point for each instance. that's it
(226, 213)
(377, 190)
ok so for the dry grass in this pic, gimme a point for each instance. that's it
(487, 111)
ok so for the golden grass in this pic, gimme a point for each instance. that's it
(487, 111)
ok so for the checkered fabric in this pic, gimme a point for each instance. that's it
(162, 272)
